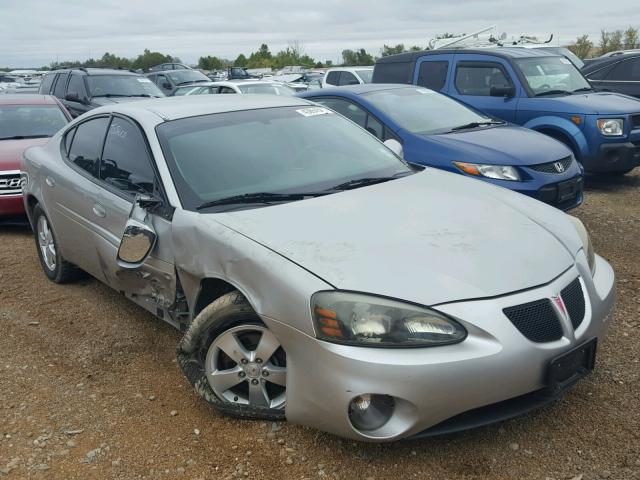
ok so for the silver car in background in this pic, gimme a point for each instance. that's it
(316, 275)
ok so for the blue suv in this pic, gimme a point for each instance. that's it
(535, 89)
(438, 131)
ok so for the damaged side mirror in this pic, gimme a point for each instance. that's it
(139, 237)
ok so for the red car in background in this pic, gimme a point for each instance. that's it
(25, 121)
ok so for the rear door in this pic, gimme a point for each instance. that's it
(126, 170)
(77, 88)
(71, 194)
(432, 72)
(60, 87)
(624, 77)
(472, 78)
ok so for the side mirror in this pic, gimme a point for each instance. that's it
(395, 146)
(73, 97)
(507, 92)
(139, 237)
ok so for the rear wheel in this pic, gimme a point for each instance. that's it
(55, 267)
(234, 361)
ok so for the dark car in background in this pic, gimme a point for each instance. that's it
(168, 81)
(25, 121)
(83, 89)
(617, 73)
(169, 66)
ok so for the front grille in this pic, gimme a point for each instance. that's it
(573, 299)
(10, 183)
(536, 320)
(555, 168)
(635, 121)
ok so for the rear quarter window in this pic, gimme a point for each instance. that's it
(47, 83)
(61, 85)
(400, 72)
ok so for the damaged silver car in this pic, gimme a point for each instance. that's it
(317, 276)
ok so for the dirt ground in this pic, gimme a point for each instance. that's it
(89, 388)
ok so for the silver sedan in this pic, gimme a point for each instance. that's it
(316, 275)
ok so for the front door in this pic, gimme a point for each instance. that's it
(472, 81)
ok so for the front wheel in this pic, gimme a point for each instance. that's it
(234, 361)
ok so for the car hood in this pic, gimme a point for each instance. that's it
(507, 145)
(431, 238)
(599, 103)
(101, 101)
(11, 151)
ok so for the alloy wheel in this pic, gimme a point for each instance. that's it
(46, 243)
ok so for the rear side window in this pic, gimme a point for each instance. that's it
(348, 78)
(628, 70)
(61, 85)
(87, 144)
(477, 79)
(399, 72)
(47, 83)
(125, 162)
(333, 78)
(433, 75)
(346, 108)
(76, 85)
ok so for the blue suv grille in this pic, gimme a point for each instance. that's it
(556, 168)
(635, 121)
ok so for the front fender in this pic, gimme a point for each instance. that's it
(564, 129)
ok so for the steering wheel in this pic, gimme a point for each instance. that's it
(546, 86)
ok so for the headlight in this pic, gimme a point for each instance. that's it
(611, 127)
(586, 242)
(369, 321)
(499, 172)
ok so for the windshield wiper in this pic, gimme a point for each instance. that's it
(476, 125)
(122, 95)
(583, 89)
(24, 137)
(363, 182)
(553, 92)
(260, 197)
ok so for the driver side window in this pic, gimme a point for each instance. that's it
(125, 161)
(478, 79)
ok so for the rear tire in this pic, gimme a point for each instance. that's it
(55, 267)
(233, 361)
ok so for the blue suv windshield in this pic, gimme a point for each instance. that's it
(551, 74)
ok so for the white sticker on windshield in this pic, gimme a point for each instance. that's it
(565, 60)
(313, 111)
(144, 80)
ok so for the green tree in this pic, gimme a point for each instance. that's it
(149, 59)
(210, 63)
(389, 50)
(261, 58)
(631, 39)
(357, 57)
(604, 42)
(615, 40)
(582, 46)
(241, 61)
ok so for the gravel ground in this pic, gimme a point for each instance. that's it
(89, 388)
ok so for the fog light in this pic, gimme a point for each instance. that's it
(370, 411)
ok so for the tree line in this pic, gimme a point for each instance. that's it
(609, 41)
(144, 61)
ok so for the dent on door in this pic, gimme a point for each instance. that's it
(149, 281)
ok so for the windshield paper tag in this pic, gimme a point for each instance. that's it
(143, 80)
(313, 111)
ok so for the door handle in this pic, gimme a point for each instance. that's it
(99, 210)
(50, 181)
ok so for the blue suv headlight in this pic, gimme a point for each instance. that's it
(611, 127)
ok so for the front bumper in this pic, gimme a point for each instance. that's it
(12, 209)
(431, 385)
(615, 157)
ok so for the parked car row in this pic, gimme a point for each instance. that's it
(307, 248)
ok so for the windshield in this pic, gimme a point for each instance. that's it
(365, 75)
(30, 121)
(186, 76)
(419, 110)
(121, 86)
(551, 73)
(267, 88)
(275, 150)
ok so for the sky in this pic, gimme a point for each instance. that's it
(34, 33)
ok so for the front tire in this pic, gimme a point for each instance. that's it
(55, 267)
(234, 361)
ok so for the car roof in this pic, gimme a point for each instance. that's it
(27, 99)
(503, 52)
(601, 62)
(246, 81)
(357, 89)
(173, 108)
(97, 71)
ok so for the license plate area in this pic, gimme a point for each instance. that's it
(567, 189)
(566, 369)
